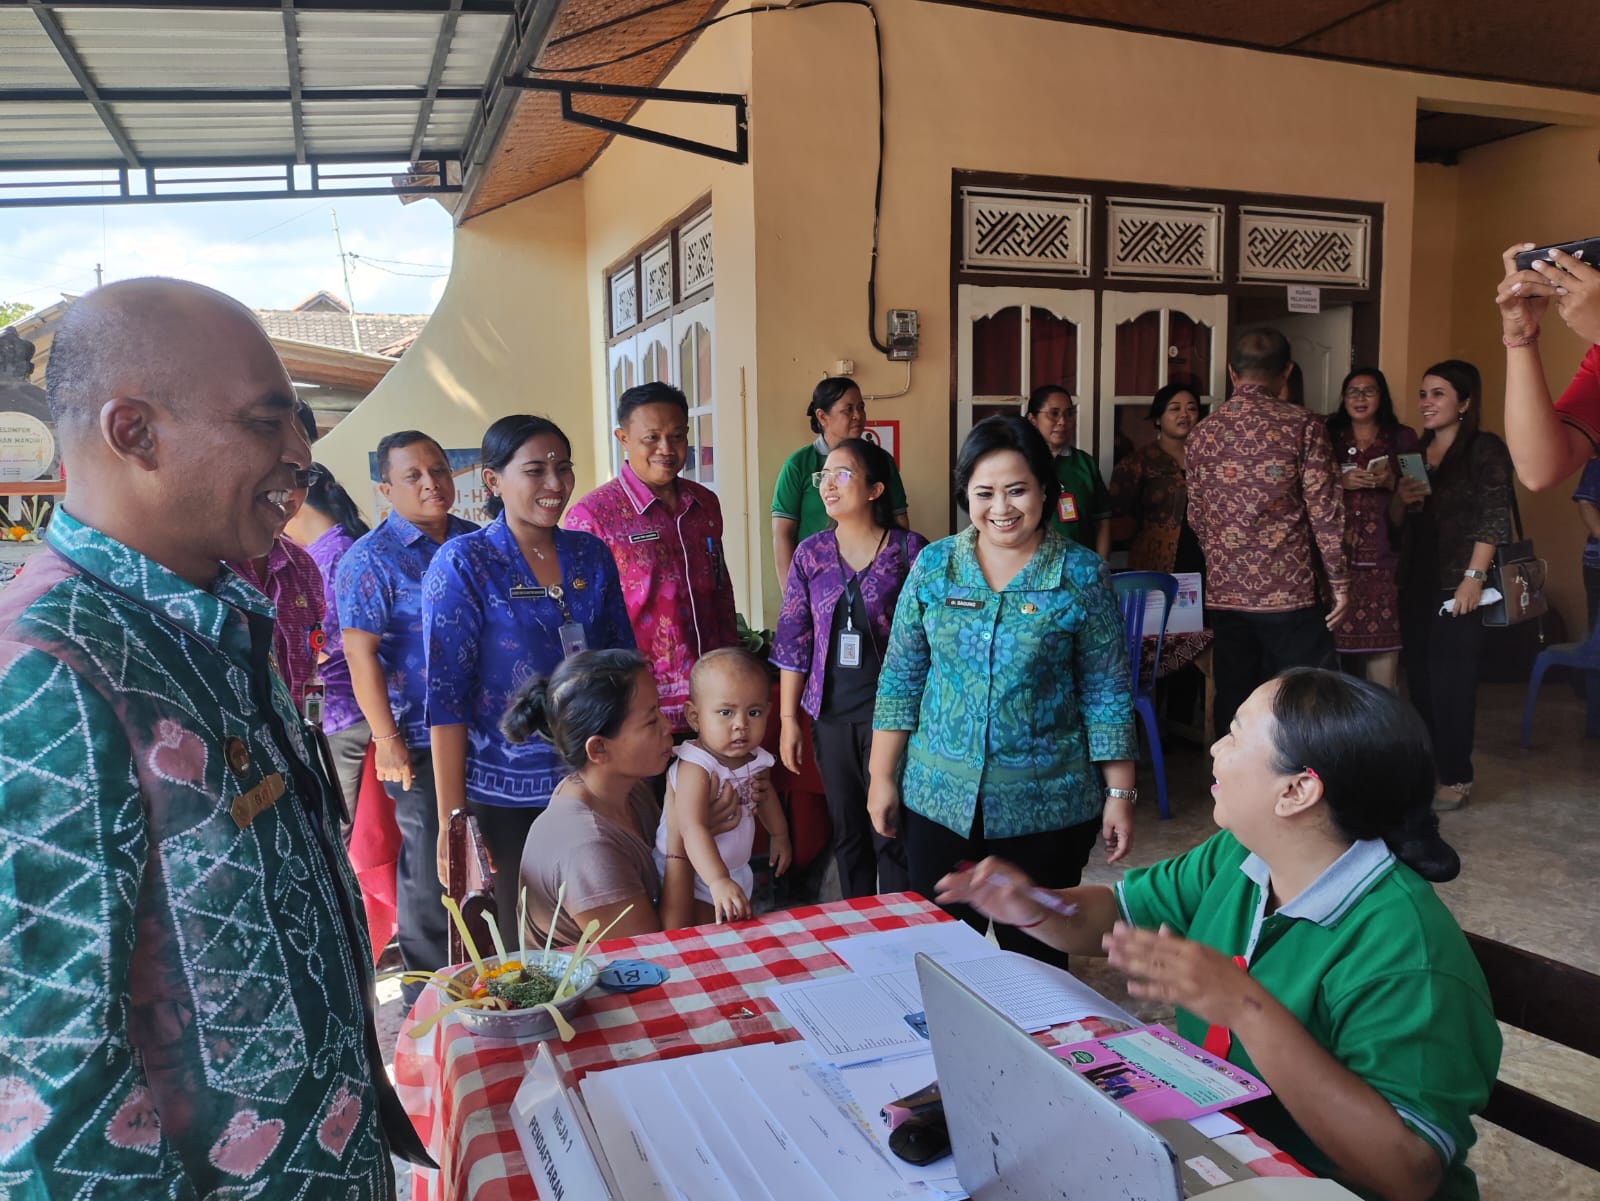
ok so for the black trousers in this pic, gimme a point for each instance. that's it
(1251, 648)
(1440, 656)
(1052, 859)
(868, 862)
(504, 830)
(422, 920)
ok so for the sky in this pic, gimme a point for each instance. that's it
(269, 254)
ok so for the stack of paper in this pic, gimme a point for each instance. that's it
(875, 1012)
(760, 1123)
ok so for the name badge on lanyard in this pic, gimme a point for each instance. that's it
(574, 640)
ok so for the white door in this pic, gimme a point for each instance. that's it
(1321, 344)
(620, 376)
(1147, 340)
(1010, 341)
(692, 371)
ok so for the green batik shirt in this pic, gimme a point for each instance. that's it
(1011, 697)
(185, 978)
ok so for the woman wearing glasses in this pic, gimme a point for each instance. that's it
(836, 412)
(837, 609)
(1082, 510)
(1367, 442)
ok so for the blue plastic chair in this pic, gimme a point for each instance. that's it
(1582, 656)
(1133, 589)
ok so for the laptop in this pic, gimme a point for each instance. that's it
(1024, 1125)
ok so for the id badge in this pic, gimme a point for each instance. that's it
(313, 704)
(1067, 507)
(850, 649)
(573, 639)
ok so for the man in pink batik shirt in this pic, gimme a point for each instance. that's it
(666, 536)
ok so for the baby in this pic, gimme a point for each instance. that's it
(729, 695)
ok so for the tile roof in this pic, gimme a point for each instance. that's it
(378, 330)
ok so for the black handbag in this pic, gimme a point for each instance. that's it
(1519, 574)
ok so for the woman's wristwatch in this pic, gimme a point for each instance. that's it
(1131, 795)
(1472, 573)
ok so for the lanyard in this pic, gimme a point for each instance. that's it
(852, 583)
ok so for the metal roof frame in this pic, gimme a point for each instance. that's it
(299, 131)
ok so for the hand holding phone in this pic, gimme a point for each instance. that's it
(1585, 250)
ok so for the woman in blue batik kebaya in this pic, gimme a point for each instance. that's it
(1004, 716)
(499, 606)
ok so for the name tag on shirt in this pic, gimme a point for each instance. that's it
(573, 639)
(247, 806)
(528, 592)
(1067, 507)
(962, 602)
(652, 536)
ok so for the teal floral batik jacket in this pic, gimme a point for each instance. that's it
(1011, 697)
(185, 979)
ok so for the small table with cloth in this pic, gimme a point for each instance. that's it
(458, 1088)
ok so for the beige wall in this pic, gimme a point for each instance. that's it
(632, 190)
(510, 335)
(969, 89)
(1536, 188)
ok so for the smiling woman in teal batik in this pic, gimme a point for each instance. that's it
(1004, 715)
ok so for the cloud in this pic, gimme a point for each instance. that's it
(267, 253)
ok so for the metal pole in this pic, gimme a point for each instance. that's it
(344, 265)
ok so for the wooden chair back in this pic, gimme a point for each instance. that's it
(471, 885)
(1555, 1001)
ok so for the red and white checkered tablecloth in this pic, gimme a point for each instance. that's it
(458, 1088)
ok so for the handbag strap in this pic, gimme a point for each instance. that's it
(1516, 511)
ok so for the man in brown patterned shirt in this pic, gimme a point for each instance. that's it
(1263, 491)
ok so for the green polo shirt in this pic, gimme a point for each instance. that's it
(1371, 963)
(1084, 501)
(794, 496)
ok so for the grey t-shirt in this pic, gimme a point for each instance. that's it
(602, 861)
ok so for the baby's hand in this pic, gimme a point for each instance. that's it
(779, 852)
(728, 901)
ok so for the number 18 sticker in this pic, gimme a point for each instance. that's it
(630, 975)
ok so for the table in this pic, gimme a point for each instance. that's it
(458, 1088)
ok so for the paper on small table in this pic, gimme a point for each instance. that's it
(897, 950)
(848, 1019)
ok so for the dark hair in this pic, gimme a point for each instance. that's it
(1339, 419)
(730, 658)
(588, 696)
(1372, 754)
(1160, 401)
(308, 421)
(877, 465)
(399, 440)
(327, 496)
(1260, 354)
(653, 393)
(827, 394)
(1006, 432)
(1468, 384)
(1040, 396)
(504, 438)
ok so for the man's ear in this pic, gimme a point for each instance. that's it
(127, 425)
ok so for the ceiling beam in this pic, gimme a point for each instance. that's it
(441, 52)
(291, 53)
(74, 63)
(520, 49)
(232, 95)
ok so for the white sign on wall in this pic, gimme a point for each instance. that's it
(1305, 298)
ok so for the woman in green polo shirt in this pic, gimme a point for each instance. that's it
(1083, 509)
(1360, 1002)
(836, 412)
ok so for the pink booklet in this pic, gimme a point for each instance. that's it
(1155, 1075)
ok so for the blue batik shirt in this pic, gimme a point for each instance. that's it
(490, 627)
(1011, 697)
(379, 589)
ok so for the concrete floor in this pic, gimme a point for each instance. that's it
(1528, 843)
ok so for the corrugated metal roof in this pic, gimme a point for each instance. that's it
(146, 86)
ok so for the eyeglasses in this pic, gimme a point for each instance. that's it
(843, 475)
(1370, 393)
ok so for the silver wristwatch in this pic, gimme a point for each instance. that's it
(1473, 573)
(1131, 795)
